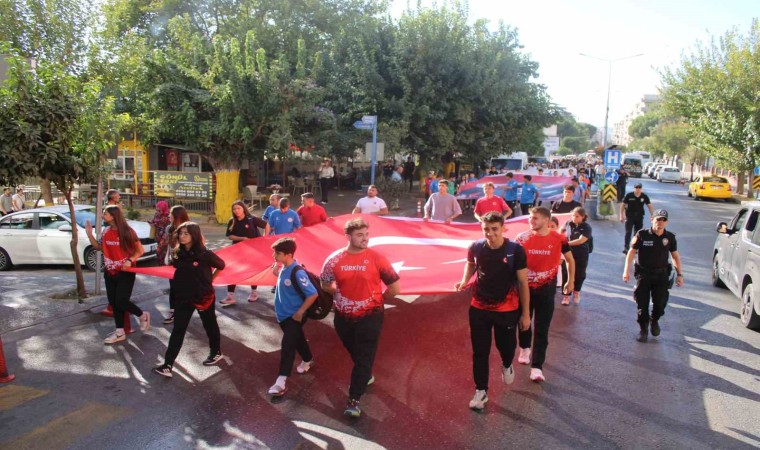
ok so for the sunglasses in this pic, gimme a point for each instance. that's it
(661, 219)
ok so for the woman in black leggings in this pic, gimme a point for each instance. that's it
(578, 235)
(193, 290)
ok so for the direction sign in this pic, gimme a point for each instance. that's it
(613, 158)
(369, 119)
(611, 176)
(363, 125)
(757, 171)
(609, 193)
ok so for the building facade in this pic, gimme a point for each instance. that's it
(620, 134)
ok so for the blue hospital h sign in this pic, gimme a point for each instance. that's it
(613, 159)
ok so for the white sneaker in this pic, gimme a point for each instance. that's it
(508, 374)
(145, 321)
(479, 401)
(565, 299)
(114, 337)
(537, 375)
(524, 357)
(230, 300)
(253, 297)
(277, 390)
(304, 366)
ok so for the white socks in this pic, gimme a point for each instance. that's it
(281, 381)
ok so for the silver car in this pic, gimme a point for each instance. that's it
(736, 261)
(43, 236)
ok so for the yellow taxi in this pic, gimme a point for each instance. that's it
(710, 186)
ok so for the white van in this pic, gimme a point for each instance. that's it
(633, 164)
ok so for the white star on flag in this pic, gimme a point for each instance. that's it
(399, 266)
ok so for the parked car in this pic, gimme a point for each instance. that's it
(654, 170)
(648, 166)
(709, 186)
(669, 174)
(43, 236)
(736, 261)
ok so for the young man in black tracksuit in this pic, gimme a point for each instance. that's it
(500, 296)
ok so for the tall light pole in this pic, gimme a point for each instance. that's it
(609, 84)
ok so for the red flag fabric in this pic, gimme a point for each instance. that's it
(429, 256)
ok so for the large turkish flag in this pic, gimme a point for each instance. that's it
(429, 256)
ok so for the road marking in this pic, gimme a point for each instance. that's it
(62, 432)
(14, 395)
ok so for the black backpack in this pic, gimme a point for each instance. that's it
(324, 302)
(591, 244)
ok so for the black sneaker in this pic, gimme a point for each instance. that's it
(643, 334)
(164, 370)
(655, 328)
(625, 251)
(212, 359)
(352, 409)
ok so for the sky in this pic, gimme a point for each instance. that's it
(555, 32)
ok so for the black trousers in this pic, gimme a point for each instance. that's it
(632, 226)
(293, 340)
(542, 311)
(324, 186)
(360, 337)
(482, 323)
(119, 291)
(525, 208)
(581, 263)
(183, 312)
(620, 192)
(231, 288)
(512, 205)
(411, 183)
(654, 287)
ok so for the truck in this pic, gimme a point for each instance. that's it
(514, 161)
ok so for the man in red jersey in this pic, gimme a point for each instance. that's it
(543, 248)
(309, 212)
(354, 275)
(491, 202)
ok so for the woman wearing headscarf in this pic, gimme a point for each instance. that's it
(160, 222)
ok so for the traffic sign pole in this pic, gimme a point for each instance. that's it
(374, 151)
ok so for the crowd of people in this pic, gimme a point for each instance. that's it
(512, 283)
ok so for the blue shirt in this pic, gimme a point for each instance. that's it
(286, 299)
(434, 186)
(268, 212)
(510, 195)
(579, 191)
(282, 223)
(528, 194)
(395, 176)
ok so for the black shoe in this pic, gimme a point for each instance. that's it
(655, 328)
(625, 251)
(643, 334)
(212, 359)
(164, 370)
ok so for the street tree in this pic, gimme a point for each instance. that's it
(55, 126)
(716, 90)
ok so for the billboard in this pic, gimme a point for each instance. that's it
(182, 184)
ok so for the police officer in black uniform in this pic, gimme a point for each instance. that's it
(632, 212)
(653, 271)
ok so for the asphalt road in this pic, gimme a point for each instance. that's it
(696, 386)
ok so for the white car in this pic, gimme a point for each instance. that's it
(669, 174)
(736, 261)
(43, 236)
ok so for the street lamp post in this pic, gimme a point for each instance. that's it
(609, 85)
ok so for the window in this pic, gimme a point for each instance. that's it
(739, 220)
(18, 222)
(50, 221)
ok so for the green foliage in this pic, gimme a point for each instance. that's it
(715, 89)
(644, 125)
(576, 144)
